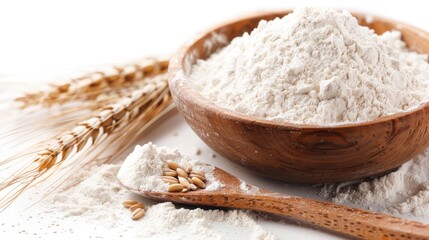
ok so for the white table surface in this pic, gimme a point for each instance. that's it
(171, 131)
(39, 37)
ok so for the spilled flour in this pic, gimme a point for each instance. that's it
(314, 66)
(404, 191)
(95, 197)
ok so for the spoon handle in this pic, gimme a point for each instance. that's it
(352, 221)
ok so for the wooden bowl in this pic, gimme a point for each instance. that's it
(291, 152)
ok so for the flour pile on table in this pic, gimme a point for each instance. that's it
(404, 191)
(95, 197)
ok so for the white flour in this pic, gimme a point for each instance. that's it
(315, 66)
(94, 199)
(248, 188)
(405, 191)
(97, 200)
(143, 168)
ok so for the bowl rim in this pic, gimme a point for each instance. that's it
(178, 79)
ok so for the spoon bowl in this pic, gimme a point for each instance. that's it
(292, 152)
(351, 221)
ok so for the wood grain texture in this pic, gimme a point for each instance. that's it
(299, 153)
(351, 221)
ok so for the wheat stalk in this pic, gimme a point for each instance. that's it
(131, 114)
(93, 84)
(106, 121)
(37, 121)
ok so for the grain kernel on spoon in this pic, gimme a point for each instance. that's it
(170, 173)
(182, 173)
(187, 167)
(184, 182)
(201, 177)
(192, 187)
(175, 188)
(172, 165)
(182, 177)
(198, 182)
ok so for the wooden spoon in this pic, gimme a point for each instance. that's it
(351, 221)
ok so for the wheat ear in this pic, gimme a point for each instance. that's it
(93, 84)
(142, 105)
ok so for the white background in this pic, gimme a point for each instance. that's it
(46, 36)
(38, 36)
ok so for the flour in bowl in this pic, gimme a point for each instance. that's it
(142, 169)
(314, 66)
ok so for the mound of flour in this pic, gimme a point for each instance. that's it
(404, 191)
(94, 197)
(314, 66)
(142, 169)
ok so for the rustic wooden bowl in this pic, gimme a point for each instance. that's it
(291, 152)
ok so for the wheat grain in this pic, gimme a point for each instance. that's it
(199, 176)
(175, 188)
(198, 182)
(136, 206)
(137, 214)
(187, 167)
(184, 182)
(129, 203)
(177, 176)
(193, 187)
(169, 180)
(182, 173)
(170, 173)
(190, 180)
(198, 172)
(172, 165)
